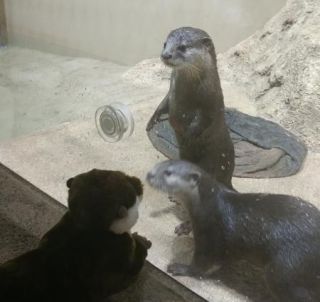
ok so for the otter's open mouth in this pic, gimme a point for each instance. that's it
(168, 63)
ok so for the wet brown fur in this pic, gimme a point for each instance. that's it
(195, 106)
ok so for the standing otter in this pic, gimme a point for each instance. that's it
(195, 103)
(281, 233)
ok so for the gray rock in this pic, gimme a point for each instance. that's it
(279, 69)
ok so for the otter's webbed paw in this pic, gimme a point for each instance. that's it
(157, 117)
(172, 199)
(151, 123)
(183, 229)
(178, 269)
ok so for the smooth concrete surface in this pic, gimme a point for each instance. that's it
(71, 145)
(126, 31)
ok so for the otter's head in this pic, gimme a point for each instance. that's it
(104, 200)
(187, 47)
(176, 177)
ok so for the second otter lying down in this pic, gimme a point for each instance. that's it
(281, 233)
(90, 254)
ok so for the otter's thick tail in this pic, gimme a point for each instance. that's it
(263, 149)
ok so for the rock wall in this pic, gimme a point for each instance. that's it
(279, 69)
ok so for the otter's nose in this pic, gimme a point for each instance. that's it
(166, 56)
(150, 176)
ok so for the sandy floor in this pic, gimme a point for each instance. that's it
(59, 96)
(39, 90)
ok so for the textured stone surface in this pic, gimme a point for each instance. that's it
(279, 69)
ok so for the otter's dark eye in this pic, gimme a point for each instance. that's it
(167, 173)
(164, 44)
(182, 48)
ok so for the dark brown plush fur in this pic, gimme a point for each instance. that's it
(80, 259)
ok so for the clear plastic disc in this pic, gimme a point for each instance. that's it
(114, 122)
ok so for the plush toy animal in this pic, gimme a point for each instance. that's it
(90, 254)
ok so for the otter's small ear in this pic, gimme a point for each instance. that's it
(194, 178)
(207, 42)
(69, 182)
(137, 184)
(123, 212)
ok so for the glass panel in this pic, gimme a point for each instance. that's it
(229, 87)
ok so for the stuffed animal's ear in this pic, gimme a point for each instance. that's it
(137, 184)
(69, 182)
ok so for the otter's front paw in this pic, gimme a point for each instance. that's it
(172, 199)
(183, 229)
(178, 269)
(143, 240)
(154, 120)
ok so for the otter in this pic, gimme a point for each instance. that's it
(279, 233)
(90, 254)
(195, 103)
